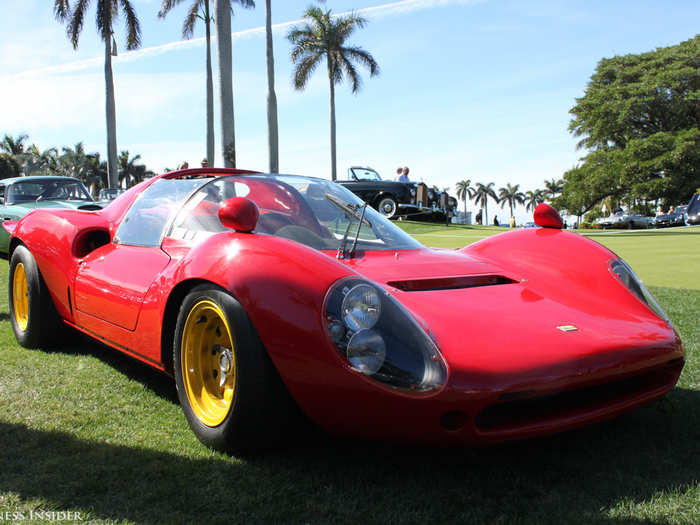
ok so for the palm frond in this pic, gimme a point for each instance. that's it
(191, 19)
(346, 25)
(304, 70)
(167, 6)
(133, 27)
(350, 70)
(61, 10)
(364, 58)
(76, 21)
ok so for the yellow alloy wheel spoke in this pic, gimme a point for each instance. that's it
(20, 297)
(207, 355)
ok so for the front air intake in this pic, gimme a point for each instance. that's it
(450, 283)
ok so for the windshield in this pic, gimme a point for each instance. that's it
(47, 190)
(364, 174)
(314, 212)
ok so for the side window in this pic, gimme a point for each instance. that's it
(144, 222)
(2, 195)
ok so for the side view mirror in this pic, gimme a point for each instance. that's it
(240, 214)
(547, 217)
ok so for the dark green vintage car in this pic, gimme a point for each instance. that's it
(20, 195)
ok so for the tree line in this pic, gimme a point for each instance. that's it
(323, 37)
(510, 195)
(639, 122)
(18, 157)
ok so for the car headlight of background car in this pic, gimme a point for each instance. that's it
(626, 276)
(379, 337)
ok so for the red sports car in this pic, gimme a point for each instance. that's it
(262, 292)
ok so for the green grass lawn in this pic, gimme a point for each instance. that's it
(84, 429)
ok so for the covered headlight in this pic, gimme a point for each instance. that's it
(413, 192)
(634, 284)
(378, 337)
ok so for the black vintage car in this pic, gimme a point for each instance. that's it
(396, 199)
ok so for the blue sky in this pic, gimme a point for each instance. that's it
(468, 89)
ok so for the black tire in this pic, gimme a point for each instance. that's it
(37, 323)
(386, 205)
(260, 406)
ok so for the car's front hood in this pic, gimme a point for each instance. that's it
(520, 330)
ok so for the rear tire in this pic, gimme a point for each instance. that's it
(245, 411)
(32, 312)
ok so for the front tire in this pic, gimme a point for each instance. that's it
(32, 312)
(229, 390)
(387, 206)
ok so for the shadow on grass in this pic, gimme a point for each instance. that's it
(572, 477)
(78, 344)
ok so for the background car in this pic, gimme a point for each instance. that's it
(414, 200)
(385, 196)
(622, 219)
(263, 295)
(109, 194)
(20, 195)
(693, 211)
(675, 218)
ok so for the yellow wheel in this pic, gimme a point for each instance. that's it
(208, 361)
(32, 312)
(229, 390)
(20, 297)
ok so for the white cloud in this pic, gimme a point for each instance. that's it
(380, 11)
(55, 102)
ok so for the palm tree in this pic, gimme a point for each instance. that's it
(511, 195)
(12, 145)
(464, 192)
(223, 10)
(74, 162)
(532, 199)
(107, 12)
(131, 173)
(32, 160)
(199, 10)
(553, 187)
(96, 177)
(324, 36)
(272, 133)
(481, 197)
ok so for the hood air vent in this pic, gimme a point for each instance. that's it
(450, 283)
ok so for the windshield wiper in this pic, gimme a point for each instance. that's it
(357, 233)
(349, 209)
(341, 249)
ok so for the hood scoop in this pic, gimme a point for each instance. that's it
(450, 283)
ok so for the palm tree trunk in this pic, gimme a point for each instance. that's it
(486, 212)
(222, 9)
(111, 114)
(210, 89)
(333, 166)
(272, 135)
